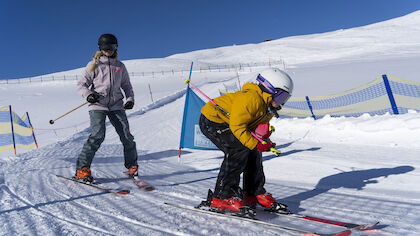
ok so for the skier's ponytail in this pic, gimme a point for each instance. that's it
(96, 57)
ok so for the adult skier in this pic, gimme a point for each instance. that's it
(229, 127)
(101, 85)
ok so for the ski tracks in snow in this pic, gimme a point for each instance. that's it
(63, 206)
(49, 226)
(40, 203)
(48, 205)
(34, 201)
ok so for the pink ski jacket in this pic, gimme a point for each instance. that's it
(108, 79)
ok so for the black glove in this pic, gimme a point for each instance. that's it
(93, 98)
(129, 105)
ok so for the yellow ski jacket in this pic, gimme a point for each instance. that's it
(247, 108)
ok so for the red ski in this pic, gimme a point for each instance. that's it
(103, 189)
(353, 226)
(141, 184)
(257, 221)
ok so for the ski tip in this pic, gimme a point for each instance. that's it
(124, 192)
(146, 188)
(367, 227)
(149, 189)
(343, 233)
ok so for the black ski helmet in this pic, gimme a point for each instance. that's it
(108, 42)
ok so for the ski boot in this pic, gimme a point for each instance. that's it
(230, 204)
(250, 201)
(133, 171)
(270, 204)
(234, 206)
(84, 175)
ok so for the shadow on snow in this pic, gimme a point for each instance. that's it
(357, 179)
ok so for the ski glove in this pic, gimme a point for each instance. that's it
(265, 147)
(93, 98)
(264, 130)
(129, 105)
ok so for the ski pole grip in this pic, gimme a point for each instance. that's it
(275, 151)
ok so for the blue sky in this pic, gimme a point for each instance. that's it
(46, 36)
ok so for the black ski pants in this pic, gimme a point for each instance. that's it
(238, 159)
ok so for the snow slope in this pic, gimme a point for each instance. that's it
(360, 170)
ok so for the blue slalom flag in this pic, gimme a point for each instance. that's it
(191, 135)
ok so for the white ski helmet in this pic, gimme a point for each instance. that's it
(276, 82)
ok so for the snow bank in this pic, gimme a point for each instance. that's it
(385, 130)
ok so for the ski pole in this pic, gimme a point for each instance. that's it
(52, 121)
(272, 149)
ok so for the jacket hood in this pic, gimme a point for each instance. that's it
(105, 59)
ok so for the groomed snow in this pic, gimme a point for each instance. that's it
(359, 170)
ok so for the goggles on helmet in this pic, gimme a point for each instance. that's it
(108, 47)
(279, 95)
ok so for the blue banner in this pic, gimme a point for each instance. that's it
(191, 136)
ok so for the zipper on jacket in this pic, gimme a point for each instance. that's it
(110, 81)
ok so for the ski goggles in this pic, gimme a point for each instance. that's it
(279, 95)
(108, 47)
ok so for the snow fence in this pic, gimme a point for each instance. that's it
(15, 131)
(386, 94)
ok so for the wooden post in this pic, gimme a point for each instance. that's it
(151, 95)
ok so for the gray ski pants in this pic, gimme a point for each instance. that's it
(97, 124)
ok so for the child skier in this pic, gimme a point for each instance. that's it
(101, 85)
(229, 127)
